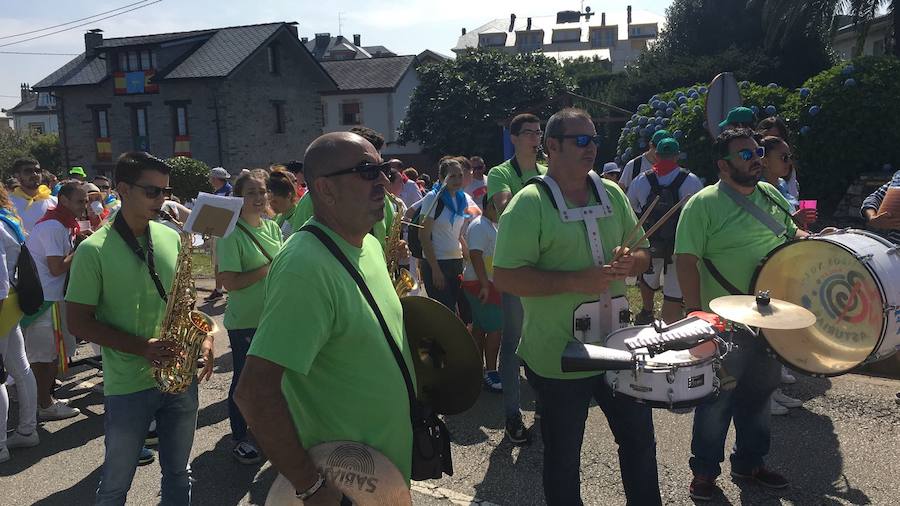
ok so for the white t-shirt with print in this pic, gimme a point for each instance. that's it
(481, 236)
(476, 189)
(32, 214)
(9, 256)
(49, 239)
(445, 233)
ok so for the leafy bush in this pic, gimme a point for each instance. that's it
(189, 177)
(45, 148)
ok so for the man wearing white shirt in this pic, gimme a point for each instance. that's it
(31, 198)
(477, 187)
(643, 163)
(672, 183)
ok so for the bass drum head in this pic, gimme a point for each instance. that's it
(828, 280)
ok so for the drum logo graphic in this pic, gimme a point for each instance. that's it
(353, 467)
(846, 302)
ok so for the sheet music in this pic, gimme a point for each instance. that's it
(214, 215)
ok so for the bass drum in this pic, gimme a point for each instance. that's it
(845, 279)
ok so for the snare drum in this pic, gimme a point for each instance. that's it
(845, 279)
(672, 379)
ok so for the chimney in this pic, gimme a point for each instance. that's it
(464, 30)
(92, 40)
(629, 14)
(512, 22)
(322, 40)
(602, 19)
(304, 39)
(357, 39)
(25, 91)
(528, 25)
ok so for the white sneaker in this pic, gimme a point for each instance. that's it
(18, 440)
(777, 409)
(786, 377)
(57, 411)
(4, 454)
(784, 400)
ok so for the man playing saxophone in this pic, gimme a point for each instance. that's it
(116, 298)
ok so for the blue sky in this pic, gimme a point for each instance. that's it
(404, 26)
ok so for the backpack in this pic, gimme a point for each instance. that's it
(662, 242)
(28, 284)
(413, 242)
(637, 168)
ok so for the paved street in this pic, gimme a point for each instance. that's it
(841, 448)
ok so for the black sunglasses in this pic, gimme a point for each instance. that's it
(152, 192)
(582, 140)
(366, 170)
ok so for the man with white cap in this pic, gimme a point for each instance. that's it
(611, 171)
(218, 178)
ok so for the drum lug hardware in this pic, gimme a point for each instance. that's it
(670, 377)
(864, 258)
(893, 251)
(615, 382)
(671, 394)
(890, 309)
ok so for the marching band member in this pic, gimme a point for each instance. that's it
(333, 377)
(284, 201)
(556, 265)
(124, 318)
(730, 227)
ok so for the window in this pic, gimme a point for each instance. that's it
(492, 40)
(36, 128)
(180, 120)
(273, 54)
(101, 122)
(279, 117)
(132, 61)
(351, 113)
(604, 37)
(140, 128)
(645, 31)
(145, 59)
(566, 35)
(529, 41)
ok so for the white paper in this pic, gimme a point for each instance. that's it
(230, 204)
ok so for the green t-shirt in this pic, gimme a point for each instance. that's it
(305, 211)
(505, 178)
(292, 217)
(341, 381)
(713, 226)
(238, 253)
(107, 274)
(531, 234)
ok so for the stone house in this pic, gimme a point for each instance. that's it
(243, 96)
(35, 113)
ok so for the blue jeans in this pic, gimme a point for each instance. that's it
(240, 345)
(509, 361)
(564, 409)
(125, 424)
(757, 376)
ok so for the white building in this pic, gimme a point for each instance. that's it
(618, 37)
(373, 92)
(878, 38)
(36, 113)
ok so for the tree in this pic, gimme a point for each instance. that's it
(459, 104)
(45, 148)
(188, 178)
(12, 145)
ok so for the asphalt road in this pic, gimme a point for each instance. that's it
(842, 447)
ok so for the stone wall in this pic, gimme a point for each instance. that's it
(847, 212)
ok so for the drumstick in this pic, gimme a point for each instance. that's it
(655, 226)
(640, 223)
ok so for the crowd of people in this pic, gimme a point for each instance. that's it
(495, 247)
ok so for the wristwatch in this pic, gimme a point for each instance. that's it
(311, 491)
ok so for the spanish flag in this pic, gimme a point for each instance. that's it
(183, 145)
(104, 149)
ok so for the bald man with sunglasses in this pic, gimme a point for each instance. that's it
(319, 368)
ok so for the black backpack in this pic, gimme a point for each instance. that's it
(662, 242)
(412, 240)
(28, 284)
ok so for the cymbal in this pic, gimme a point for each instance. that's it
(751, 311)
(446, 359)
(362, 473)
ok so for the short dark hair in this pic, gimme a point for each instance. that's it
(515, 126)
(294, 167)
(100, 176)
(770, 141)
(375, 138)
(131, 164)
(411, 173)
(773, 122)
(395, 174)
(446, 163)
(18, 163)
(281, 183)
(556, 125)
(67, 189)
(724, 140)
(476, 158)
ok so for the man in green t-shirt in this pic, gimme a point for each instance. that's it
(504, 181)
(116, 298)
(718, 238)
(559, 267)
(319, 368)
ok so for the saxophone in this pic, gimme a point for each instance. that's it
(403, 280)
(181, 323)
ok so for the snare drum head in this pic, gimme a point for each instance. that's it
(828, 280)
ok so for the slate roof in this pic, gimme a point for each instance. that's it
(30, 106)
(220, 51)
(335, 44)
(379, 51)
(368, 74)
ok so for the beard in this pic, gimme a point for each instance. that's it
(744, 179)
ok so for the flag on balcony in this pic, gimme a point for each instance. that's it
(183, 145)
(131, 83)
(104, 149)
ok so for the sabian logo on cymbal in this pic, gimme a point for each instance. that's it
(351, 466)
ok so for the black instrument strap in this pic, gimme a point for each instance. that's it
(121, 226)
(754, 210)
(398, 355)
(717, 275)
(255, 241)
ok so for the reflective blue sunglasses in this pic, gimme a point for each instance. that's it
(747, 154)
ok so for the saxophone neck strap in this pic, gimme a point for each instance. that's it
(145, 257)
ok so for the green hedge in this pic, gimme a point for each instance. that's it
(189, 177)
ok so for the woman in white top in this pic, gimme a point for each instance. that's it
(12, 345)
(442, 235)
